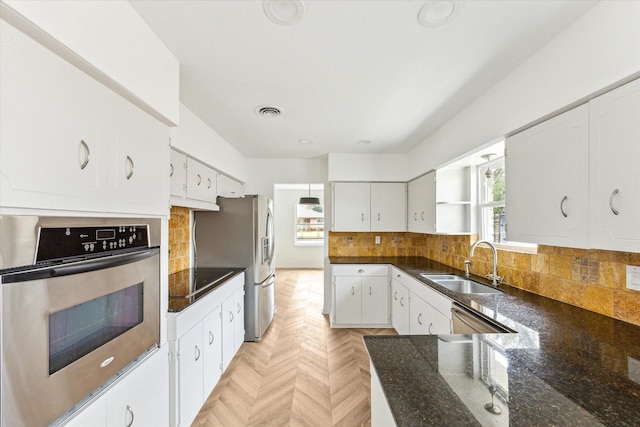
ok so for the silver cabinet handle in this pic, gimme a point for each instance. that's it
(378, 216)
(398, 276)
(614, 210)
(353, 290)
(209, 182)
(564, 199)
(401, 299)
(130, 412)
(197, 353)
(87, 153)
(199, 179)
(395, 295)
(210, 337)
(130, 168)
(361, 270)
(429, 329)
(239, 308)
(362, 217)
(369, 290)
(230, 316)
(171, 166)
(415, 216)
(420, 319)
(422, 215)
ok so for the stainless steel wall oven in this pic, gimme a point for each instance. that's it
(80, 311)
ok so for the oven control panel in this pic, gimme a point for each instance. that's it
(67, 242)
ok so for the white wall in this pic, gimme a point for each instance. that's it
(264, 173)
(596, 51)
(194, 137)
(390, 167)
(109, 41)
(287, 254)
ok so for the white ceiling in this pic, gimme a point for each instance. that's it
(347, 71)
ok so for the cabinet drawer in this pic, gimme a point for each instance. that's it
(360, 269)
(434, 298)
(401, 276)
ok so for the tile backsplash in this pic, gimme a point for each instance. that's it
(592, 279)
(179, 235)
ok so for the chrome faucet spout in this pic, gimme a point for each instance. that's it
(496, 280)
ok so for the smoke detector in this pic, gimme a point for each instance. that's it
(284, 12)
(268, 111)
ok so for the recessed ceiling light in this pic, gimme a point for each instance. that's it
(284, 12)
(438, 12)
(363, 142)
(305, 141)
(268, 111)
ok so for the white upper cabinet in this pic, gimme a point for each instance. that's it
(614, 131)
(178, 174)
(364, 206)
(388, 206)
(201, 181)
(228, 187)
(547, 184)
(574, 181)
(351, 206)
(439, 202)
(69, 143)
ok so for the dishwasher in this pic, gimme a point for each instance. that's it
(466, 322)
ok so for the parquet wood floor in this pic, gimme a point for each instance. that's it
(302, 373)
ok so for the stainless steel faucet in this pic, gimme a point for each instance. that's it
(493, 276)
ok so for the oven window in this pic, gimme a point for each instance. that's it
(78, 330)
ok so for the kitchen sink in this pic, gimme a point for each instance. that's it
(460, 284)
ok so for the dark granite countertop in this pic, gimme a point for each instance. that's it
(190, 285)
(566, 366)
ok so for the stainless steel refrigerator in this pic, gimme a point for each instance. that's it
(241, 235)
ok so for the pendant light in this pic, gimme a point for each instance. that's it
(488, 174)
(309, 200)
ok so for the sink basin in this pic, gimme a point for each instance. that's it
(460, 284)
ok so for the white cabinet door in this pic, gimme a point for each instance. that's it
(141, 158)
(142, 397)
(348, 299)
(212, 350)
(375, 300)
(94, 415)
(178, 174)
(400, 307)
(421, 216)
(388, 206)
(351, 207)
(228, 331)
(228, 187)
(547, 186)
(201, 181)
(190, 380)
(238, 320)
(614, 131)
(426, 320)
(51, 152)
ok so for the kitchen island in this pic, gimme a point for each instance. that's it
(566, 366)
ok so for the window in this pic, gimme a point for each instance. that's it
(493, 209)
(309, 224)
(491, 201)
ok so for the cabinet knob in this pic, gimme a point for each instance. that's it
(361, 270)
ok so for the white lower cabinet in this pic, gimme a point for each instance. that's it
(138, 398)
(399, 307)
(203, 338)
(381, 415)
(418, 309)
(360, 295)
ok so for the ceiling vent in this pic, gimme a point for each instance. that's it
(269, 111)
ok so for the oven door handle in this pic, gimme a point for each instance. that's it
(84, 266)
